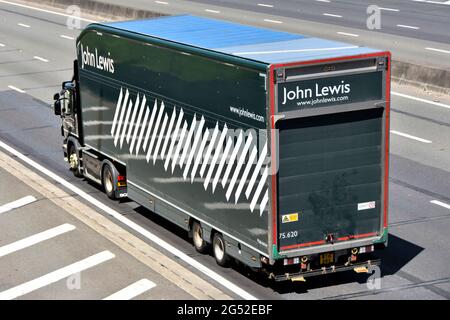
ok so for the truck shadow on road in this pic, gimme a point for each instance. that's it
(398, 253)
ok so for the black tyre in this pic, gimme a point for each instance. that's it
(74, 161)
(197, 237)
(108, 181)
(219, 250)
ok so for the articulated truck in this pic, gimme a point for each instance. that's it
(269, 148)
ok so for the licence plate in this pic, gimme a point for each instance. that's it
(327, 258)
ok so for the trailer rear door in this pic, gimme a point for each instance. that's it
(331, 154)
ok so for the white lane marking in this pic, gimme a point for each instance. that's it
(24, 25)
(212, 11)
(437, 50)
(388, 9)
(144, 232)
(348, 34)
(410, 136)
(17, 204)
(35, 239)
(433, 2)
(56, 275)
(442, 204)
(67, 37)
(40, 59)
(2, 44)
(273, 21)
(438, 104)
(46, 11)
(265, 5)
(16, 89)
(294, 50)
(327, 1)
(407, 27)
(332, 15)
(132, 291)
(162, 2)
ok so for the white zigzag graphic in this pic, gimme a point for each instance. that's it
(161, 133)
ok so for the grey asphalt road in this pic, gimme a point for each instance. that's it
(415, 261)
(422, 20)
(417, 33)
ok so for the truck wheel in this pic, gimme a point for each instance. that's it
(219, 250)
(108, 181)
(74, 161)
(197, 237)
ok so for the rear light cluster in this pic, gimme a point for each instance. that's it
(121, 181)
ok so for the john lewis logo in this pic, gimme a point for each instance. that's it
(317, 91)
(93, 59)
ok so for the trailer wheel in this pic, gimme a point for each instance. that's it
(74, 161)
(219, 251)
(108, 181)
(197, 237)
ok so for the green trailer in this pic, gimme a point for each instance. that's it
(271, 147)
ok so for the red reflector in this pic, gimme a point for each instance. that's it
(121, 178)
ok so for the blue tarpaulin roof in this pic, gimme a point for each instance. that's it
(260, 44)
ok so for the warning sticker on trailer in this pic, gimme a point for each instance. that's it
(289, 217)
(366, 205)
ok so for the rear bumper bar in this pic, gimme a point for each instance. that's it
(299, 276)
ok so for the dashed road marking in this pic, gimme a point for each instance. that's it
(442, 204)
(438, 104)
(410, 136)
(161, 2)
(35, 239)
(265, 5)
(348, 34)
(212, 11)
(56, 275)
(16, 89)
(17, 204)
(273, 21)
(438, 50)
(40, 59)
(67, 37)
(332, 15)
(132, 291)
(407, 27)
(24, 25)
(2, 44)
(388, 9)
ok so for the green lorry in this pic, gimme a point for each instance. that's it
(269, 147)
